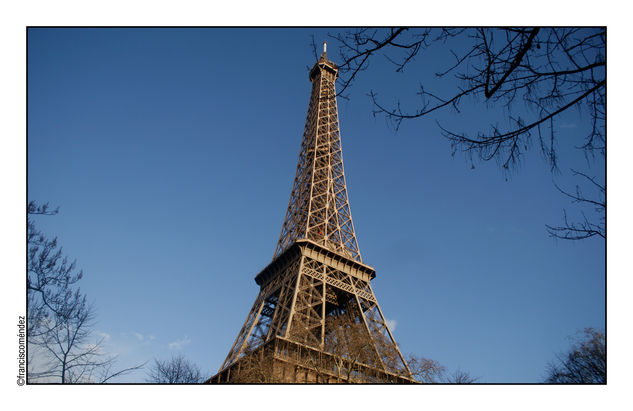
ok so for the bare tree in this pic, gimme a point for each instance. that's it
(534, 74)
(429, 371)
(51, 278)
(353, 354)
(584, 363)
(460, 377)
(256, 367)
(70, 354)
(178, 370)
(350, 345)
(59, 318)
(425, 370)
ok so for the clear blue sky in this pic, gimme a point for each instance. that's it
(171, 154)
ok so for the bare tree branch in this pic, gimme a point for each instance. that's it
(535, 74)
(584, 363)
(585, 228)
(178, 370)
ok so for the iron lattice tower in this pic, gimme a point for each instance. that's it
(316, 318)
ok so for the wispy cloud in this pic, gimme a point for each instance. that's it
(104, 336)
(141, 337)
(179, 343)
(391, 324)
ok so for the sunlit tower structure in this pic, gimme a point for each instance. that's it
(316, 318)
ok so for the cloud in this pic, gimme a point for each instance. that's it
(391, 324)
(104, 336)
(179, 343)
(141, 337)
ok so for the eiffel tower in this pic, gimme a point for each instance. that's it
(316, 318)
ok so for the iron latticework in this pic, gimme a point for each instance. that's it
(316, 318)
(319, 207)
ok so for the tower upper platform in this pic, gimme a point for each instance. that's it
(323, 64)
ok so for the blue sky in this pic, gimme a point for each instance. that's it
(171, 154)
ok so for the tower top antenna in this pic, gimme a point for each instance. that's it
(324, 46)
